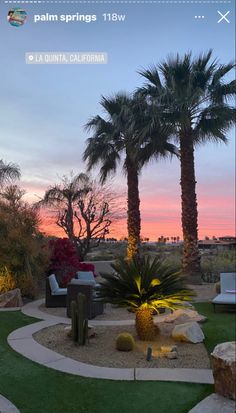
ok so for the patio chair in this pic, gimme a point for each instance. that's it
(87, 276)
(55, 296)
(227, 296)
(76, 286)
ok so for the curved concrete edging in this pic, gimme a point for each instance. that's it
(6, 406)
(22, 341)
(9, 309)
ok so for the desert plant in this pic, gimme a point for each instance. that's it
(7, 280)
(79, 322)
(124, 342)
(144, 286)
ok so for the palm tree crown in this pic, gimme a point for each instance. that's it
(8, 171)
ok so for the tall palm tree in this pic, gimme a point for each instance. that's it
(8, 171)
(195, 98)
(120, 138)
(144, 286)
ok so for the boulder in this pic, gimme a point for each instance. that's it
(189, 332)
(184, 315)
(223, 360)
(168, 349)
(11, 299)
(214, 404)
(172, 355)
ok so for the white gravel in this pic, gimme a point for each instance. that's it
(101, 351)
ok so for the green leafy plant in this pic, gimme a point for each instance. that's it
(144, 286)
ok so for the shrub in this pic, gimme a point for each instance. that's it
(7, 280)
(65, 261)
(213, 265)
(217, 287)
(124, 342)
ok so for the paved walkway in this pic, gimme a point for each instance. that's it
(22, 341)
(6, 406)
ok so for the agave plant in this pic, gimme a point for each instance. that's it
(144, 286)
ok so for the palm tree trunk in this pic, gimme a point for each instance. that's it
(145, 327)
(133, 220)
(191, 256)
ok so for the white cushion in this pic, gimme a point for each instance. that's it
(225, 299)
(86, 276)
(60, 291)
(227, 281)
(81, 282)
(53, 283)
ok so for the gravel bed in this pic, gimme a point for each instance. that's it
(101, 351)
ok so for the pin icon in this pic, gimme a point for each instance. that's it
(31, 58)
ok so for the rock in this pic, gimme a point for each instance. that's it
(184, 315)
(189, 332)
(91, 332)
(172, 355)
(168, 349)
(214, 404)
(223, 361)
(11, 299)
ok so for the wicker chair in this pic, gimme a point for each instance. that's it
(53, 301)
(94, 308)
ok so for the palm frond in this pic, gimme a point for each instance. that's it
(8, 171)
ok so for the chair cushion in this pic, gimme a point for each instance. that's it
(86, 276)
(53, 283)
(76, 281)
(225, 299)
(60, 291)
(227, 281)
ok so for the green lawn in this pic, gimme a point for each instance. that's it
(37, 389)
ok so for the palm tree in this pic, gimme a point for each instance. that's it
(120, 137)
(144, 286)
(8, 171)
(194, 97)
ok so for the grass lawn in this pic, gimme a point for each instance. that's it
(37, 389)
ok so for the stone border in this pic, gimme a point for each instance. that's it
(6, 406)
(10, 309)
(22, 341)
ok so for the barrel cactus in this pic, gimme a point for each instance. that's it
(125, 342)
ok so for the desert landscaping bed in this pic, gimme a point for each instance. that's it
(101, 351)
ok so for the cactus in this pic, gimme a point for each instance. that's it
(125, 342)
(81, 309)
(79, 324)
(74, 321)
(85, 338)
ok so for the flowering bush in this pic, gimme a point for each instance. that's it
(65, 261)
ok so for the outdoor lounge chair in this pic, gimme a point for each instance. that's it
(87, 276)
(76, 286)
(227, 296)
(55, 296)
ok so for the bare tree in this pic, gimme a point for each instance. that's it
(84, 209)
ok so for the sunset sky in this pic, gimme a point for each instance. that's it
(44, 107)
